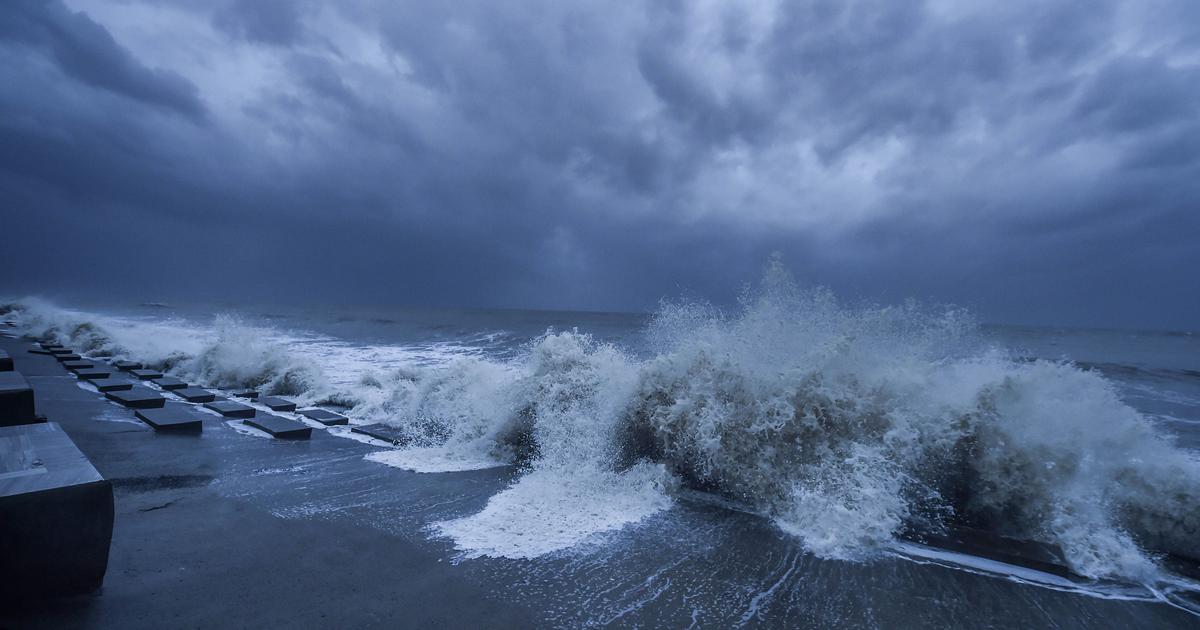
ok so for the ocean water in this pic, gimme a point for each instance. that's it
(860, 435)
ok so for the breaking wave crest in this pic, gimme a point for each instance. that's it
(222, 353)
(848, 426)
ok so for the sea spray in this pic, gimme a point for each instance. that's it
(576, 394)
(848, 426)
(243, 356)
(224, 353)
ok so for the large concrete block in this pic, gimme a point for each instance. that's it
(146, 375)
(281, 428)
(110, 384)
(56, 515)
(231, 409)
(52, 346)
(195, 395)
(6, 362)
(277, 404)
(325, 417)
(384, 432)
(40, 351)
(63, 358)
(78, 364)
(172, 417)
(93, 373)
(137, 398)
(246, 393)
(169, 383)
(126, 366)
(16, 400)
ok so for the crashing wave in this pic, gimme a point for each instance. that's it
(226, 353)
(849, 427)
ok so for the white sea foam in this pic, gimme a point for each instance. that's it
(548, 510)
(434, 459)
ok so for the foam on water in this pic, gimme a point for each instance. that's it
(433, 459)
(548, 510)
(846, 426)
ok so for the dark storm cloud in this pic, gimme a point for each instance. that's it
(85, 51)
(1036, 161)
(265, 21)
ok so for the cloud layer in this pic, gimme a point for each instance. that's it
(1036, 161)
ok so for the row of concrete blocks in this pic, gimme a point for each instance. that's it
(152, 408)
(56, 510)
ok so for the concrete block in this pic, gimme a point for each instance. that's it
(16, 400)
(110, 384)
(277, 404)
(92, 374)
(78, 364)
(384, 432)
(231, 409)
(195, 395)
(281, 428)
(6, 362)
(327, 418)
(70, 356)
(146, 375)
(126, 366)
(169, 383)
(56, 515)
(49, 347)
(172, 417)
(137, 398)
(246, 393)
(39, 351)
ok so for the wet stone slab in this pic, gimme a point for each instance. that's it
(16, 400)
(91, 374)
(56, 514)
(281, 428)
(195, 395)
(110, 384)
(146, 375)
(384, 432)
(277, 404)
(137, 398)
(126, 366)
(169, 383)
(231, 409)
(78, 364)
(325, 417)
(172, 417)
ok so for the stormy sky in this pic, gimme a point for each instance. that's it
(1038, 162)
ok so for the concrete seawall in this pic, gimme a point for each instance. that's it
(198, 541)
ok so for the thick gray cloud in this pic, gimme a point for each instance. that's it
(1035, 161)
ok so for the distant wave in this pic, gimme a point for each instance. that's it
(1119, 369)
(849, 427)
